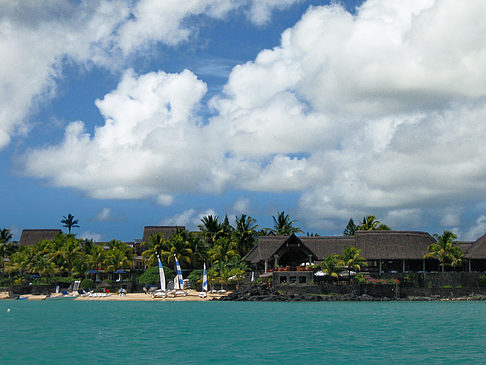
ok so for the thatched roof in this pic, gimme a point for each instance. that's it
(32, 236)
(374, 245)
(393, 245)
(465, 246)
(265, 248)
(165, 231)
(478, 249)
(327, 246)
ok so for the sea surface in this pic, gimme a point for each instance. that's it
(99, 332)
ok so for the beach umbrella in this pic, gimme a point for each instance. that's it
(34, 276)
(320, 273)
(120, 272)
(92, 272)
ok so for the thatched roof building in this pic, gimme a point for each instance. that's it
(32, 236)
(165, 231)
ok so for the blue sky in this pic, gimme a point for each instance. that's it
(132, 113)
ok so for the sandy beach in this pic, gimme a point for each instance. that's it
(192, 295)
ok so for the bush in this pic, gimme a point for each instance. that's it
(86, 284)
(482, 280)
(4, 282)
(151, 276)
(64, 279)
(194, 277)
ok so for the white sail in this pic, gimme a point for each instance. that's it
(205, 279)
(179, 278)
(161, 274)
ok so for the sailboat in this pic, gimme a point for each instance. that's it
(204, 292)
(178, 280)
(162, 292)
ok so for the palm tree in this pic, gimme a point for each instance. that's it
(222, 251)
(370, 223)
(245, 234)
(6, 247)
(352, 259)
(96, 257)
(445, 250)
(70, 222)
(66, 255)
(210, 228)
(179, 246)
(332, 266)
(153, 249)
(283, 226)
(119, 257)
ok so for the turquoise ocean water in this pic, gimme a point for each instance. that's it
(64, 332)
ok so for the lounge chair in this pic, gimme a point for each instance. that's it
(83, 293)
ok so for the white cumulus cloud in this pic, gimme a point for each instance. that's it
(379, 111)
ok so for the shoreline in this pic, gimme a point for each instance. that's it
(192, 296)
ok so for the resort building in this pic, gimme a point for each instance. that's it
(32, 236)
(384, 251)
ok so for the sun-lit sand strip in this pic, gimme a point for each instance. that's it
(192, 295)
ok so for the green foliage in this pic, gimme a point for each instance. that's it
(195, 278)
(4, 282)
(283, 226)
(332, 266)
(445, 250)
(350, 228)
(482, 280)
(63, 279)
(446, 286)
(368, 223)
(86, 284)
(151, 276)
(69, 222)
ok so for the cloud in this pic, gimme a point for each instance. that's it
(104, 215)
(477, 230)
(87, 235)
(189, 218)
(381, 111)
(150, 143)
(40, 37)
(241, 205)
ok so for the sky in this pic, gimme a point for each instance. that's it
(130, 113)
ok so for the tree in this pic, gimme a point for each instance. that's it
(5, 235)
(351, 228)
(70, 222)
(6, 247)
(64, 251)
(179, 246)
(445, 250)
(151, 275)
(245, 233)
(370, 223)
(332, 266)
(118, 257)
(96, 258)
(210, 228)
(153, 249)
(222, 251)
(352, 259)
(283, 226)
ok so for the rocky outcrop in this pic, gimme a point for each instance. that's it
(262, 293)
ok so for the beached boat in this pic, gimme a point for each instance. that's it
(162, 292)
(179, 280)
(204, 292)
